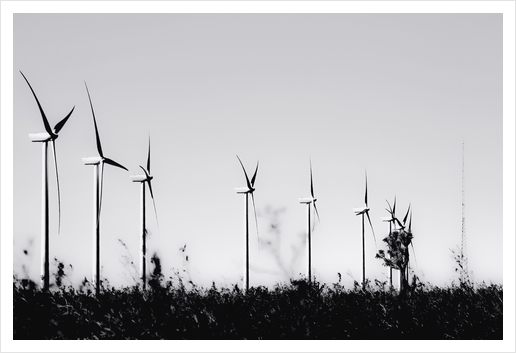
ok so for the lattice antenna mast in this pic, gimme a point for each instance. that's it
(464, 246)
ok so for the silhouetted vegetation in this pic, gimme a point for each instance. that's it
(397, 255)
(295, 310)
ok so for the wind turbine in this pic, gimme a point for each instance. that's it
(392, 220)
(364, 211)
(249, 189)
(98, 176)
(50, 135)
(142, 179)
(309, 201)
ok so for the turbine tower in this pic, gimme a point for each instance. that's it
(309, 201)
(361, 211)
(98, 176)
(46, 137)
(249, 189)
(464, 245)
(142, 179)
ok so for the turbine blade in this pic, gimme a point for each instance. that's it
(60, 124)
(254, 175)
(255, 218)
(390, 208)
(113, 163)
(148, 158)
(311, 182)
(406, 215)
(394, 206)
(152, 194)
(146, 174)
(99, 147)
(371, 224)
(414, 252)
(317, 213)
(410, 223)
(45, 121)
(246, 177)
(58, 190)
(153, 203)
(366, 189)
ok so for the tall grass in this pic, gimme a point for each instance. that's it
(295, 310)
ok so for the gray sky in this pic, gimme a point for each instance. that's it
(395, 94)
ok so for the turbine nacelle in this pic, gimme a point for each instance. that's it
(42, 137)
(393, 221)
(244, 190)
(387, 219)
(138, 178)
(307, 200)
(360, 210)
(92, 160)
(141, 178)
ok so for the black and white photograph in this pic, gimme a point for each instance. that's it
(311, 176)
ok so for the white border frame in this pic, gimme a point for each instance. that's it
(507, 8)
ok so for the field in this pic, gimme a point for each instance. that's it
(297, 310)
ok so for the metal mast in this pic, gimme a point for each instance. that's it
(464, 247)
